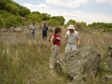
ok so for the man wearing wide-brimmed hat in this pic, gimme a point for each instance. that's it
(72, 39)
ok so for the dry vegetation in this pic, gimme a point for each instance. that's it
(25, 60)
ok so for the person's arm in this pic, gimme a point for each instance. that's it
(47, 28)
(78, 41)
(30, 27)
(52, 46)
(66, 38)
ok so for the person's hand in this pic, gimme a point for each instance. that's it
(52, 47)
(79, 44)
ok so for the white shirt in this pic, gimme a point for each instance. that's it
(72, 37)
(33, 27)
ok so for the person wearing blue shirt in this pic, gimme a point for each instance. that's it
(44, 31)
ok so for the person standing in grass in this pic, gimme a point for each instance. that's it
(44, 31)
(55, 46)
(33, 28)
(72, 39)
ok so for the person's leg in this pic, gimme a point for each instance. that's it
(74, 47)
(58, 52)
(44, 35)
(67, 48)
(32, 34)
(53, 55)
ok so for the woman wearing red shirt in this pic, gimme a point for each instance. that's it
(55, 46)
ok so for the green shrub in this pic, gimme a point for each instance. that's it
(2, 25)
(13, 20)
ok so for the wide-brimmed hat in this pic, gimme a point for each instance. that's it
(71, 27)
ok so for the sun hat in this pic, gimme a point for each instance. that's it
(71, 27)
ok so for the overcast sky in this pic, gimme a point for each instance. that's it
(88, 11)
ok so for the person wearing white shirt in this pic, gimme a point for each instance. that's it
(33, 28)
(72, 39)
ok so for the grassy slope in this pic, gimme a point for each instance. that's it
(26, 61)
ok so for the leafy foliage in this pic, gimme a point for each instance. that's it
(1, 23)
(71, 22)
(107, 27)
(45, 16)
(14, 8)
(53, 22)
(60, 19)
(9, 19)
(34, 17)
(13, 21)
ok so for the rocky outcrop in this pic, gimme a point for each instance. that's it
(4, 30)
(15, 29)
(78, 64)
(110, 51)
(107, 64)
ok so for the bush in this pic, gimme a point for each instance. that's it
(2, 25)
(53, 22)
(13, 20)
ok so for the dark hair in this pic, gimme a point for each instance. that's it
(44, 24)
(33, 22)
(58, 29)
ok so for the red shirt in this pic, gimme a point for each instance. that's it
(57, 39)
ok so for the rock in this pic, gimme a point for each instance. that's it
(4, 30)
(79, 79)
(107, 65)
(12, 28)
(18, 29)
(15, 29)
(107, 77)
(110, 51)
(78, 64)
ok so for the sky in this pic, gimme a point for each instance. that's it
(88, 11)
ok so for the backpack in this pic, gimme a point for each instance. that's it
(53, 39)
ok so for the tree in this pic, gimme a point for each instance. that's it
(45, 16)
(3, 3)
(10, 7)
(23, 11)
(80, 25)
(2, 25)
(53, 22)
(71, 22)
(34, 17)
(60, 19)
(13, 20)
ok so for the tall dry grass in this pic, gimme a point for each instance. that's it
(25, 60)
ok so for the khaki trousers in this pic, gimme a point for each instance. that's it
(54, 53)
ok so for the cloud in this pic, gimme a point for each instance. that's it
(104, 1)
(67, 3)
(88, 17)
(39, 7)
(77, 15)
(75, 3)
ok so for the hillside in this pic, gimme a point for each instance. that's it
(26, 61)
(13, 14)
